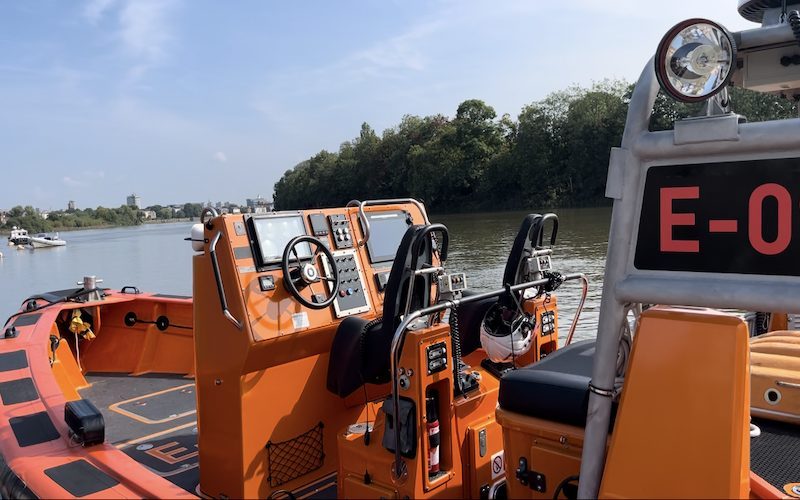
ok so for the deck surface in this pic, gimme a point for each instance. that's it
(153, 419)
(775, 454)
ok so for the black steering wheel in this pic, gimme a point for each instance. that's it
(298, 275)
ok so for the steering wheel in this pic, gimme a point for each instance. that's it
(298, 275)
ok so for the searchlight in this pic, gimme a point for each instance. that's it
(695, 60)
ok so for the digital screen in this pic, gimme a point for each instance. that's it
(735, 217)
(273, 233)
(386, 232)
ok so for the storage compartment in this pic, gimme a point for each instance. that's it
(535, 447)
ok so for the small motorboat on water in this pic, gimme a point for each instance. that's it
(18, 237)
(43, 240)
(332, 353)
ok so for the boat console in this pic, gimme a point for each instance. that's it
(318, 332)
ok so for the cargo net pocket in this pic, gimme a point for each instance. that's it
(291, 459)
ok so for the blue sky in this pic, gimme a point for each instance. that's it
(191, 100)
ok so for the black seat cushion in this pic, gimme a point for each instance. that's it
(556, 388)
(347, 354)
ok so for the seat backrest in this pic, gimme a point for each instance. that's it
(361, 350)
(682, 426)
(415, 252)
(529, 237)
(471, 315)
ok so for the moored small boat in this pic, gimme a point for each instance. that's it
(18, 237)
(46, 241)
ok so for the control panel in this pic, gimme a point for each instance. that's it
(319, 226)
(548, 322)
(342, 235)
(454, 283)
(352, 297)
(298, 295)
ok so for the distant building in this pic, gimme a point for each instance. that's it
(44, 215)
(259, 205)
(70, 205)
(134, 201)
(148, 214)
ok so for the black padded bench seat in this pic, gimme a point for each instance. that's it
(556, 388)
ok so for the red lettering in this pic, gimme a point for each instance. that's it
(756, 214)
(723, 226)
(670, 219)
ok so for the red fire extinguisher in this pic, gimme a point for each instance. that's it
(432, 410)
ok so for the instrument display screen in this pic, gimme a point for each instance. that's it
(735, 217)
(386, 232)
(271, 234)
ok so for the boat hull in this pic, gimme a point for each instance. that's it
(45, 243)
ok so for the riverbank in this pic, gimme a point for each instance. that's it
(6, 232)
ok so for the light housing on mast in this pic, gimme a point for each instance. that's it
(695, 60)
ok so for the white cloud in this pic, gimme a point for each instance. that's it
(69, 181)
(94, 10)
(85, 178)
(221, 157)
(144, 28)
(405, 52)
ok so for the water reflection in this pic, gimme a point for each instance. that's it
(480, 243)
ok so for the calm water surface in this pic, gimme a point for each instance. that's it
(155, 258)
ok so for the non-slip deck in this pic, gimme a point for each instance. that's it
(775, 454)
(153, 419)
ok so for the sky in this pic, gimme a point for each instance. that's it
(196, 100)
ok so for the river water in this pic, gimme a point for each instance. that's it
(155, 258)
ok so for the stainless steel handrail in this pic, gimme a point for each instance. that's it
(208, 210)
(399, 337)
(212, 252)
(363, 216)
(574, 324)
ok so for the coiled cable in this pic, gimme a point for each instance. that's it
(455, 336)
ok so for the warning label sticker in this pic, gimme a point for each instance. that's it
(300, 320)
(498, 465)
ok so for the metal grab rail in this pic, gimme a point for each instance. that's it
(363, 216)
(574, 324)
(212, 252)
(208, 211)
(399, 467)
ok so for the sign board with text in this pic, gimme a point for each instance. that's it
(734, 217)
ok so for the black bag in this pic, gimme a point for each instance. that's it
(85, 422)
(408, 427)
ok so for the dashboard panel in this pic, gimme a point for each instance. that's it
(257, 243)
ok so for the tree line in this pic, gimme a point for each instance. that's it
(554, 154)
(29, 218)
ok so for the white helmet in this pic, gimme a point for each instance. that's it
(505, 334)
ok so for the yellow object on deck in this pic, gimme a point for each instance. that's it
(77, 325)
